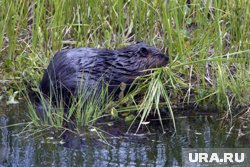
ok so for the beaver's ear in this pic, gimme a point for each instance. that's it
(143, 51)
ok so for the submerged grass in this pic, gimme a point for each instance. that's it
(208, 44)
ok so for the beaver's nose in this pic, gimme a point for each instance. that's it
(164, 57)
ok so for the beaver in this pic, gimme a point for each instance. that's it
(85, 68)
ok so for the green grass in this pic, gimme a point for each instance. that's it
(208, 46)
(84, 110)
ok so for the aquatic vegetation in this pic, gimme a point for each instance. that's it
(208, 46)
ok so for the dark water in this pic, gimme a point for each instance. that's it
(147, 149)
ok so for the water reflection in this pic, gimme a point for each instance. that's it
(4, 145)
(126, 150)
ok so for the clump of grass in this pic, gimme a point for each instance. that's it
(157, 88)
(85, 108)
(207, 42)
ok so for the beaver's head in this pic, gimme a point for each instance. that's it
(145, 56)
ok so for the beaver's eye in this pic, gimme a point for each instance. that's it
(143, 51)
